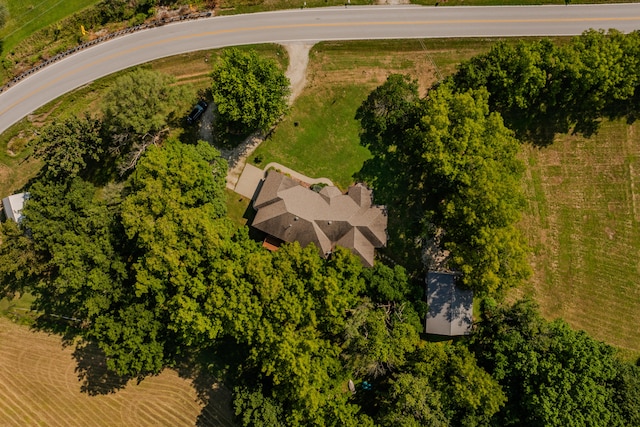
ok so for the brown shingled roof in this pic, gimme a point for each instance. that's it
(291, 212)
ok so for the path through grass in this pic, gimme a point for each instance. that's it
(320, 136)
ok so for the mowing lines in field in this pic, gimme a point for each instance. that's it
(39, 385)
(587, 247)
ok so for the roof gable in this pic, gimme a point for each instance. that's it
(291, 212)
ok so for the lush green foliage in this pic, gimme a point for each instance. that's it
(449, 166)
(19, 263)
(552, 375)
(69, 147)
(111, 263)
(249, 91)
(137, 112)
(542, 89)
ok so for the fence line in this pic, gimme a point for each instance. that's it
(152, 24)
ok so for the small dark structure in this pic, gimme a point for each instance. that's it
(291, 212)
(450, 307)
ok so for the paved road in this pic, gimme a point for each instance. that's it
(353, 23)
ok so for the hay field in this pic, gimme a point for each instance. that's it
(583, 221)
(40, 386)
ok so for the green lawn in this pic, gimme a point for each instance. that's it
(28, 16)
(583, 222)
(17, 309)
(320, 136)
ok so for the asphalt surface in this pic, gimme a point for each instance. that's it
(348, 23)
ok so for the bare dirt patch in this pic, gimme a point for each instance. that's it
(297, 69)
(40, 385)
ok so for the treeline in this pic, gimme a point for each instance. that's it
(448, 165)
(542, 89)
(146, 265)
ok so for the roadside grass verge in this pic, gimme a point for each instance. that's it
(229, 7)
(509, 2)
(583, 223)
(191, 69)
(28, 16)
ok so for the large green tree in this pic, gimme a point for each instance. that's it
(81, 271)
(20, 265)
(138, 109)
(69, 147)
(441, 385)
(551, 374)
(542, 89)
(250, 92)
(172, 221)
(138, 272)
(290, 316)
(448, 166)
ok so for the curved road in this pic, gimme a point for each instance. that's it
(353, 23)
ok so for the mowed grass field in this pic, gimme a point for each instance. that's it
(28, 16)
(40, 385)
(583, 223)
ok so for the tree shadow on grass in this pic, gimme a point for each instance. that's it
(212, 374)
(91, 367)
(392, 188)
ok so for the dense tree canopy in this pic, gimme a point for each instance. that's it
(81, 270)
(137, 111)
(249, 91)
(68, 148)
(542, 89)
(552, 375)
(447, 163)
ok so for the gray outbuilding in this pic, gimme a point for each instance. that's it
(450, 310)
(13, 206)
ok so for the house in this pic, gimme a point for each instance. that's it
(13, 206)
(450, 307)
(288, 211)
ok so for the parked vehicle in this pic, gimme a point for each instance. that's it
(197, 112)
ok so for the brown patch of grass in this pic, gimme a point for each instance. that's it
(39, 385)
(583, 223)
